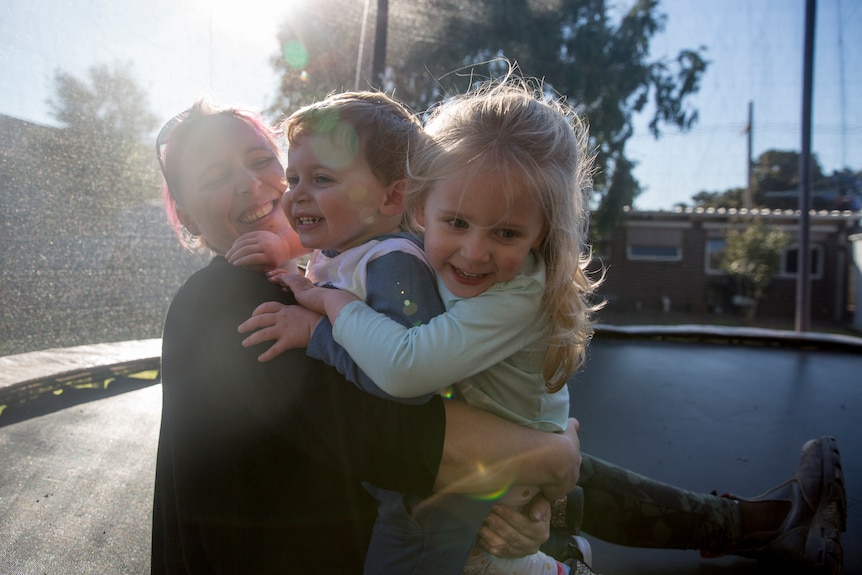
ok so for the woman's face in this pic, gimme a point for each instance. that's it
(231, 183)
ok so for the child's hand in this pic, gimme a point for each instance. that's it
(305, 292)
(288, 279)
(290, 326)
(322, 300)
(261, 250)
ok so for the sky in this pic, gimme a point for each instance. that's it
(180, 50)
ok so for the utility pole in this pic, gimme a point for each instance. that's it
(803, 269)
(358, 76)
(378, 62)
(750, 130)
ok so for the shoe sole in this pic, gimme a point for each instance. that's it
(823, 543)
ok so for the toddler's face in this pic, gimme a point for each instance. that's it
(334, 200)
(474, 236)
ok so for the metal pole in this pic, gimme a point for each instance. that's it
(378, 65)
(748, 189)
(358, 75)
(803, 278)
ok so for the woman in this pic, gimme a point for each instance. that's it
(259, 464)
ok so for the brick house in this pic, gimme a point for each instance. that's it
(670, 260)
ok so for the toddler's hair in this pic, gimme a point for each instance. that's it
(369, 123)
(538, 144)
(201, 116)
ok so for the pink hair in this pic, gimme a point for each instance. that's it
(200, 114)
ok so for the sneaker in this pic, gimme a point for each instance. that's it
(580, 556)
(811, 533)
(580, 550)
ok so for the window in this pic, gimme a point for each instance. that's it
(790, 262)
(714, 254)
(654, 244)
(789, 259)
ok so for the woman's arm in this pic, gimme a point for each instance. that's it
(482, 452)
(309, 407)
(294, 400)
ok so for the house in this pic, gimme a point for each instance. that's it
(671, 261)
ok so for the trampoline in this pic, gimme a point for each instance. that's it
(697, 407)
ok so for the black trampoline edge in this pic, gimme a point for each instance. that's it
(43, 395)
(815, 341)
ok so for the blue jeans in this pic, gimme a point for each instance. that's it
(416, 536)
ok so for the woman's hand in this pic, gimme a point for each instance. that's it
(510, 534)
(290, 326)
(565, 466)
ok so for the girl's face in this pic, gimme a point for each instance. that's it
(334, 201)
(231, 184)
(474, 237)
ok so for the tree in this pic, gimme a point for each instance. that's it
(320, 46)
(775, 184)
(752, 255)
(600, 64)
(776, 172)
(731, 199)
(85, 260)
(100, 160)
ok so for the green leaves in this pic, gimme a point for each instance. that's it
(577, 47)
(752, 255)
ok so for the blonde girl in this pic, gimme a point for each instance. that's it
(499, 192)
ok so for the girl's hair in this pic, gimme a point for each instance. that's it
(511, 127)
(172, 146)
(369, 123)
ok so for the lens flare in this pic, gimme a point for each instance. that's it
(410, 307)
(295, 55)
(489, 495)
(492, 496)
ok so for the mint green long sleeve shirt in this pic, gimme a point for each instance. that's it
(490, 347)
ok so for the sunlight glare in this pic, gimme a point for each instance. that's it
(254, 20)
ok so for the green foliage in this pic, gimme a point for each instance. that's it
(731, 199)
(752, 256)
(772, 171)
(778, 171)
(99, 159)
(85, 260)
(319, 52)
(436, 47)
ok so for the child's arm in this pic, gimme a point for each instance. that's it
(399, 285)
(325, 301)
(470, 337)
(266, 250)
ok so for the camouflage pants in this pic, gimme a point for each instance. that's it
(626, 508)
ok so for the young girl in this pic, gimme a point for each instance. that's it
(500, 192)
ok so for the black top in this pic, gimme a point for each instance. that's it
(259, 464)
